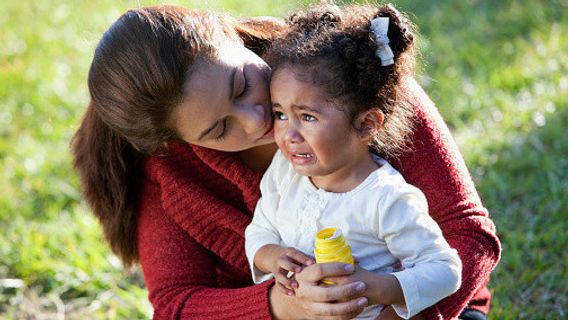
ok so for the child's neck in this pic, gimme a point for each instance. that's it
(348, 177)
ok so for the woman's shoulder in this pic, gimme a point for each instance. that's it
(178, 158)
(416, 94)
(192, 161)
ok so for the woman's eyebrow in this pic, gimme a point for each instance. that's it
(208, 130)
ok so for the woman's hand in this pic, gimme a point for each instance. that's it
(312, 300)
(381, 288)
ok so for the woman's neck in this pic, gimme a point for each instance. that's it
(258, 158)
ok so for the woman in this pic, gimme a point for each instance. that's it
(172, 148)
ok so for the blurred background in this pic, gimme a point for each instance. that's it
(497, 70)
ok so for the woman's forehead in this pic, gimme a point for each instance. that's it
(212, 74)
(206, 96)
(232, 53)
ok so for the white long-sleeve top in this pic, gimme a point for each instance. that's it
(385, 221)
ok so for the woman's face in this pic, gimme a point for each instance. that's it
(226, 103)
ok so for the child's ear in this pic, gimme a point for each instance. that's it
(369, 122)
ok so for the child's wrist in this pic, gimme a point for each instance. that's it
(384, 289)
(266, 257)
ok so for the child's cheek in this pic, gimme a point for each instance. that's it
(279, 132)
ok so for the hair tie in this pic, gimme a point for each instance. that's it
(380, 27)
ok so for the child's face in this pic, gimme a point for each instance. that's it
(313, 134)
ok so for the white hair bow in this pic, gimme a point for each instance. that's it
(380, 27)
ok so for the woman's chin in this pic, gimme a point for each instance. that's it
(260, 144)
(264, 140)
(269, 134)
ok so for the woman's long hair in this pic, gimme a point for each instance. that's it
(135, 80)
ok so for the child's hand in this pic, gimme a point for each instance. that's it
(291, 260)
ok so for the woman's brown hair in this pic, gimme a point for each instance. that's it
(135, 80)
(334, 48)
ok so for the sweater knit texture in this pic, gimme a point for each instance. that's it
(196, 203)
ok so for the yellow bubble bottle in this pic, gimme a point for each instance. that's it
(331, 247)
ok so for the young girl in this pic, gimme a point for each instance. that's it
(339, 111)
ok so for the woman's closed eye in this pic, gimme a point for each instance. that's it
(226, 128)
(246, 86)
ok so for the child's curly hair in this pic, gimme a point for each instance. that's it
(333, 47)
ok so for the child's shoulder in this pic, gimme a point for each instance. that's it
(389, 179)
(280, 163)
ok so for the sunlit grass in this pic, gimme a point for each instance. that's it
(498, 72)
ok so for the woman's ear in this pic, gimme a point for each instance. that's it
(369, 122)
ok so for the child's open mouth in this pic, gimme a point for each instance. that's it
(302, 158)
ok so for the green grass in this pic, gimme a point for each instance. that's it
(498, 72)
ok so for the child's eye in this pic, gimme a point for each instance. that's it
(309, 118)
(279, 116)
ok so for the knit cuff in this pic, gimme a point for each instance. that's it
(432, 313)
(243, 303)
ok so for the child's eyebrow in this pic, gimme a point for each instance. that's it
(306, 108)
(299, 107)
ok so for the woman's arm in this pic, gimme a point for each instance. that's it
(181, 277)
(181, 274)
(436, 167)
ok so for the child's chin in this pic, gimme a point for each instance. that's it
(303, 171)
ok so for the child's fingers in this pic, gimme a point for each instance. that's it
(300, 257)
(281, 277)
(284, 290)
(293, 283)
(289, 265)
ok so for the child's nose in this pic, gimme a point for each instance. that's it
(293, 135)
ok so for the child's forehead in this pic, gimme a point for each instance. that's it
(287, 83)
(300, 73)
(298, 94)
(302, 80)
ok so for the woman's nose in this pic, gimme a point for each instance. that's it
(252, 117)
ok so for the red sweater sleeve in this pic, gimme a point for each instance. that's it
(436, 166)
(181, 274)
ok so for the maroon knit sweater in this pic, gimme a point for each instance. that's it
(197, 202)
